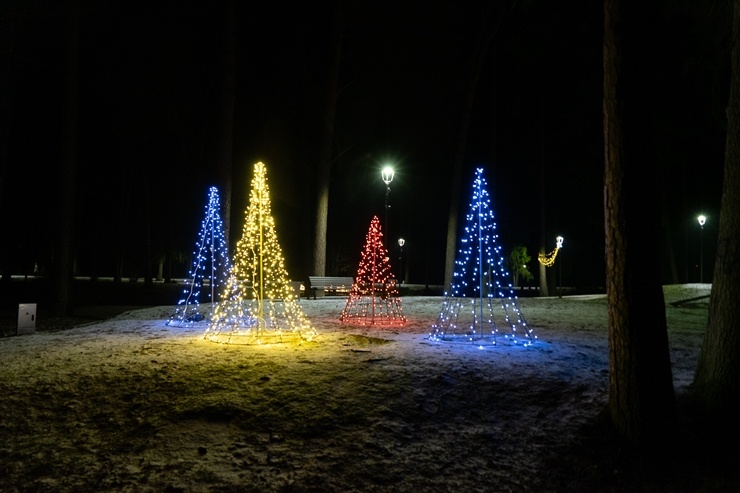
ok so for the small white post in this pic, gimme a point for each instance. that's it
(26, 318)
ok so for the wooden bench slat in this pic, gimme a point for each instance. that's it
(329, 283)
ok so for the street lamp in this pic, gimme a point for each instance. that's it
(558, 246)
(401, 242)
(702, 219)
(387, 175)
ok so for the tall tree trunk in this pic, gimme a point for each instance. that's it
(544, 288)
(124, 211)
(323, 173)
(667, 243)
(457, 170)
(148, 256)
(459, 158)
(717, 377)
(7, 32)
(226, 117)
(641, 397)
(65, 237)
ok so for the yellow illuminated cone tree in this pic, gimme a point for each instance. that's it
(259, 305)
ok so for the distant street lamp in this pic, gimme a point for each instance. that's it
(401, 242)
(702, 220)
(558, 246)
(387, 175)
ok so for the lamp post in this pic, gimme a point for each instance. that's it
(702, 219)
(387, 175)
(401, 242)
(558, 246)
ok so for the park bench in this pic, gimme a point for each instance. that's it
(338, 286)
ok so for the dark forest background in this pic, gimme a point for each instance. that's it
(149, 80)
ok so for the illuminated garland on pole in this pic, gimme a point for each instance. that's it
(480, 290)
(259, 304)
(210, 260)
(548, 260)
(373, 299)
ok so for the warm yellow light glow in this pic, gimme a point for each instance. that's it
(259, 302)
(548, 260)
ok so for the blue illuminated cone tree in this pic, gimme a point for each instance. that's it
(373, 299)
(480, 306)
(259, 304)
(210, 261)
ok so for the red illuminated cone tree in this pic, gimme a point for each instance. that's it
(374, 299)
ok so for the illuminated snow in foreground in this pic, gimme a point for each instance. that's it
(132, 404)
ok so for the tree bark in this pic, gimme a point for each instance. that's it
(7, 32)
(544, 289)
(63, 271)
(323, 173)
(641, 397)
(717, 378)
(459, 158)
(226, 117)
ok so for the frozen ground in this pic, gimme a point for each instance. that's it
(130, 404)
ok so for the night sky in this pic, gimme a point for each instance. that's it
(149, 79)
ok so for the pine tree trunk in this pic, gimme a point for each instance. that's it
(325, 158)
(457, 165)
(641, 398)
(544, 290)
(718, 372)
(7, 32)
(226, 130)
(65, 239)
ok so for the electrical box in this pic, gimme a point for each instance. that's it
(26, 318)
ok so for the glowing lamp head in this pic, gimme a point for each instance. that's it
(702, 220)
(401, 242)
(559, 242)
(387, 174)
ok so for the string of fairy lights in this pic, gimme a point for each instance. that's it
(548, 260)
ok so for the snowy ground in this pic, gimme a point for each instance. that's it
(133, 405)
